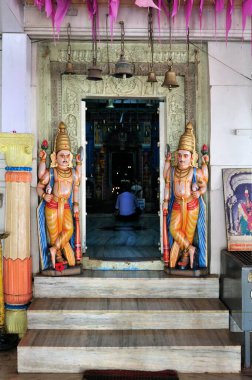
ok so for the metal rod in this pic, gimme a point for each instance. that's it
(247, 349)
(122, 37)
(170, 24)
(150, 31)
(68, 43)
(107, 16)
(95, 42)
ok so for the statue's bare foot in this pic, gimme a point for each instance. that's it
(53, 255)
(59, 258)
(192, 251)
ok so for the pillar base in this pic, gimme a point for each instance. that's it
(16, 322)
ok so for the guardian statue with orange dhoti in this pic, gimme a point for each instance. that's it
(184, 235)
(58, 188)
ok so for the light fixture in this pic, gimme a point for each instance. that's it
(69, 64)
(170, 80)
(151, 74)
(149, 103)
(110, 104)
(94, 72)
(123, 69)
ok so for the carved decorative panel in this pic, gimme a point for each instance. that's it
(60, 95)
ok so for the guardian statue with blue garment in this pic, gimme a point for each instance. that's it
(184, 211)
(58, 211)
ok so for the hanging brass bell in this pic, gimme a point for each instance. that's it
(170, 80)
(151, 77)
(123, 69)
(94, 73)
(69, 68)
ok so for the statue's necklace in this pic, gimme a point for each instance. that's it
(64, 173)
(180, 173)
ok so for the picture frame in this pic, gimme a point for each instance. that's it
(237, 184)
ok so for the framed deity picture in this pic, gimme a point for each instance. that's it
(238, 208)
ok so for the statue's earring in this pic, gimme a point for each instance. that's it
(71, 161)
(176, 158)
(54, 163)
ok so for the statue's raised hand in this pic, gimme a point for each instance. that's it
(42, 155)
(48, 197)
(168, 156)
(165, 205)
(205, 159)
(78, 158)
(76, 210)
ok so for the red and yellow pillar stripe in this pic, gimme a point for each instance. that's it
(17, 264)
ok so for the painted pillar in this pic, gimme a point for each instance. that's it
(3, 235)
(17, 265)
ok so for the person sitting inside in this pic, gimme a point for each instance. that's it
(136, 188)
(126, 207)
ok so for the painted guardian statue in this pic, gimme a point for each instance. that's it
(58, 188)
(184, 235)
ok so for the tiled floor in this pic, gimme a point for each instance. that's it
(138, 240)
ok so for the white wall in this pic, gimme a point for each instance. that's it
(0, 85)
(231, 109)
(16, 82)
(11, 16)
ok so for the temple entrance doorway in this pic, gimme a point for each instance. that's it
(122, 152)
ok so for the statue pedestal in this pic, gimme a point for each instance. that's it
(7, 341)
(187, 272)
(65, 272)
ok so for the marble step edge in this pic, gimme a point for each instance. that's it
(182, 352)
(127, 287)
(126, 304)
(183, 359)
(124, 320)
(95, 264)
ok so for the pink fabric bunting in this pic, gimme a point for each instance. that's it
(61, 11)
(113, 12)
(230, 8)
(162, 6)
(175, 7)
(40, 4)
(56, 11)
(219, 6)
(246, 12)
(92, 7)
(146, 4)
(188, 11)
(201, 12)
(49, 8)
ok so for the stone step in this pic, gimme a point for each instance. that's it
(74, 351)
(123, 314)
(95, 264)
(126, 284)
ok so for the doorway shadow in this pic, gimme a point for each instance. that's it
(110, 239)
(122, 148)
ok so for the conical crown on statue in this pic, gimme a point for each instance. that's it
(187, 140)
(62, 141)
